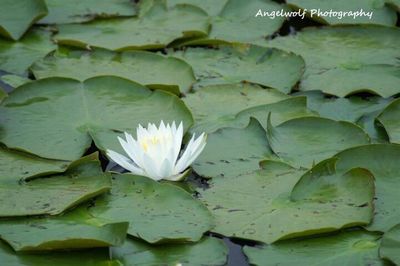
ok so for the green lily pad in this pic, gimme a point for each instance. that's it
(75, 11)
(14, 80)
(208, 251)
(231, 64)
(17, 57)
(153, 70)
(15, 166)
(382, 161)
(344, 60)
(212, 7)
(231, 151)
(34, 115)
(17, 16)
(282, 111)
(361, 79)
(156, 212)
(261, 206)
(241, 17)
(54, 194)
(73, 230)
(389, 118)
(349, 109)
(211, 112)
(346, 248)
(379, 12)
(390, 245)
(304, 141)
(154, 29)
(376, 131)
(89, 257)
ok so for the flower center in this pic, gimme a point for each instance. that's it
(145, 143)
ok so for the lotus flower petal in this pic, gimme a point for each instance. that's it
(155, 152)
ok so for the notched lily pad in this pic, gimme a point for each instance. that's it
(233, 151)
(90, 257)
(156, 212)
(237, 22)
(17, 57)
(347, 59)
(211, 111)
(382, 161)
(255, 64)
(208, 251)
(346, 248)
(262, 206)
(150, 69)
(34, 115)
(54, 194)
(73, 230)
(389, 118)
(17, 16)
(153, 29)
(304, 141)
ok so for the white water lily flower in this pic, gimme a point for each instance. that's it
(156, 151)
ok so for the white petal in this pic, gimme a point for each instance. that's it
(192, 151)
(151, 168)
(196, 153)
(179, 166)
(177, 135)
(141, 133)
(127, 147)
(178, 177)
(166, 168)
(124, 162)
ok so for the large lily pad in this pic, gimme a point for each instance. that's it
(17, 57)
(382, 161)
(345, 109)
(230, 64)
(153, 70)
(389, 118)
(304, 141)
(241, 17)
(74, 230)
(230, 151)
(364, 57)
(156, 212)
(34, 115)
(17, 16)
(390, 247)
(52, 195)
(346, 248)
(211, 112)
(154, 29)
(362, 78)
(380, 13)
(75, 11)
(208, 251)
(260, 206)
(90, 257)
